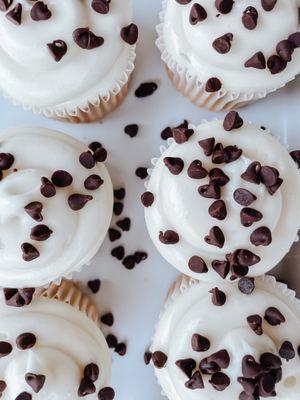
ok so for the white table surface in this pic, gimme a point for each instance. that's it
(136, 297)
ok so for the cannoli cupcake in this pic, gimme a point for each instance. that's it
(222, 200)
(69, 60)
(224, 54)
(216, 343)
(57, 351)
(56, 202)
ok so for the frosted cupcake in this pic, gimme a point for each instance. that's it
(218, 343)
(56, 202)
(222, 200)
(69, 60)
(225, 54)
(57, 351)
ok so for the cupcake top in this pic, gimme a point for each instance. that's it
(222, 200)
(49, 51)
(55, 205)
(218, 343)
(232, 45)
(57, 352)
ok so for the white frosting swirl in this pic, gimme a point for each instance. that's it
(76, 237)
(190, 46)
(226, 328)
(30, 75)
(67, 341)
(179, 207)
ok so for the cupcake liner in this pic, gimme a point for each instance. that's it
(68, 292)
(93, 108)
(192, 88)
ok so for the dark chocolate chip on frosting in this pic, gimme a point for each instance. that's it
(61, 178)
(166, 133)
(195, 382)
(120, 193)
(287, 351)
(40, 11)
(5, 4)
(87, 160)
(182, 133)
(249, 216)
(197, 14)
(101, 6)
(274, 317)
(130, 34)
(219, 381)
(58, 48)
(15, 15)
(18, 297)
(169, 237)
(244, 197)
(257, 61)
(86, 387)
(26, 341)
(218, 297)
(159, 359)
(200, 343)
(34, 210)
(40, 233)
(91, 371)
(86, 39)
(6, 161)
(285, 49)
(94, 285)
(3, 386)
(106, 393)
(218, 176)
(141, 172)
(250, 17)
(244, 258)
(118, 253)
(29, 252)
(124, 224)
(174, 164)
(77, 201)
(196, 170)
(270, 361)
(114, 234)
(100, 154)
(147, 199)
(218, 210)
(5, 349)
(295, 39)
(47, 188)
(255, 323)
(24, 396)
(207, 145)
(210, 191)
(35, 381)
(221, 267)
(107, 319)
(224, 6)
(276, 64)
(146, 89)
(261, 236)
(250, 367)
(223, 44)
(213, 85)
(121, 349)
(187, 366)
(232, 121)
(131, 130)
(197, 265)
(296, 157)
(118, 208)
(221, 358)
(252, 173)
(268, 5)
(93, 182)
(215, 237)
(183, 2)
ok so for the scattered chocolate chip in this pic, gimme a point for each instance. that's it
(101, 6)
(58, 48)
(94, 285)
(86, 387)
(218, 297)
(296, 157)
(287, 351)
(249, 216)
(124, 224)
(100, 154)
(5, 349)
(174, 164)
(207, 146)
(140, 256)
(261, 236)
(219, 155)
(270, 361)
(113, 234)
(223, 44)
(246, 285)
(47, 188)
(215, 237)
(26, 341)
(211, 191)
(91, 371)
(219, 381)
(249, 386)
(112, 341)
(257, 61)
(146, 89)
(169, 237)
(24, 396)
(252, 173)
(232, 121)
(130, 34)
(77, 201)
(129, 262)
(6, 161)
(250, 17)
(269, 175)
(131, 130)
(245, 258)
(213, 85)
(106, 393)
(36, 382)
(218, 210)
(147, 357)
(86, 39)
(159, 359)
(182, 133)
(276, 64)
(197, 14)
(40, 11)
(120, 194)
(187, 366)
(195, 382)
(273, 189)
(196, 170)
(118, 252)
(141, 172)
(15, 15)
(274, 317)
(34, 210)
(285, 49)
(93, 182)
(220, 358)
(118, 208)
(86, 159)
(218, 176)
(295, 39)
(183, 2)
(121, 349)
(250, 368)
(61, 178)
(40, 233)
(5, 4)
(221, 267)
(233, 153)
(200, 343)
(255, 323)
(3, 385)
(147, 199)
(166, 133)
(197, 265)
(107, 319)
(29, 252)
(224, 6)
(18, 297)
(268, 5)
(208, 368)
(95, 146)
(266, 385)
(244, 197)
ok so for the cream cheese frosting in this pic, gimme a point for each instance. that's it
(29, 72)
(187, 35)
(49, 351)
(190, 313)
(209, 229)
(49, 230)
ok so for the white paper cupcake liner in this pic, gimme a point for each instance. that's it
(191, 87)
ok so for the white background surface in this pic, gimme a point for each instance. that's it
(136, 297)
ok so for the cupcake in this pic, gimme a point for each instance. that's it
(216, 343)
(69, 60)
(57, 351)
(222, 200)
(225, 54)
(56, 203)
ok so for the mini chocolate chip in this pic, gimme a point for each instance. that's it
(112, 341)
(213, 85)
(3, 385)
(6, 161)
(218, 297)
(5, 349)
(270, 361)
(18, 297)
(130, 34)
(208, 368)
(100, 154)
(252, 173)
(86, 39)
(29, 252)
(250, 368)
(273, 189)
(249, 216)
(129, 262)
(107, 319)
(15, 15)
(77, 201)
(219, 381)
(159, 359)
(220, 358)
(197, 265)
(113, 234)
(218, 176)
(147, 199)
(269, 175)
(40, 11)
(296, 157)
(174, 164)
(146, 89)
(26, 341)
(118, 252)
(124, 224)
(285, 49)
(215, 237)
(219, 155)
(36, 382)
(47, 188)
(287, 351)
(232, 121)
(274, 317)
(94, 146)
(93, 182)
(246, 285)
(196, 170)
(255, 323)
(195, 382)
(118, 208)
(5, 4)
(141, 172)
(34, 209)
(183, 2)
(120, 194)
(58, 48)
(211, 191)
(106, 393)
(218, 210)
(86, 159)
(140, 256)
(101, 6)
(182, 133)
(276, 64)
(61, 178)
(266, 385)
(197, 14)
(245, 258)
(268, 5)
(24, 396)
(40, 233)
(166, 133)
(221, 267)
(147, 357)
(169, 237)
(187, 366)
(86, 387)
(91, 371)
(200, 343)
(131, 130)
(223, 44)
(249, 386)
(249, 18)
(261, 236)
(257, 61)
(244, 197)
(207, 145)
(238, 271)
(233, 152)
(224, 6)
(121, 349)
(295, 39)
(94, 285)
